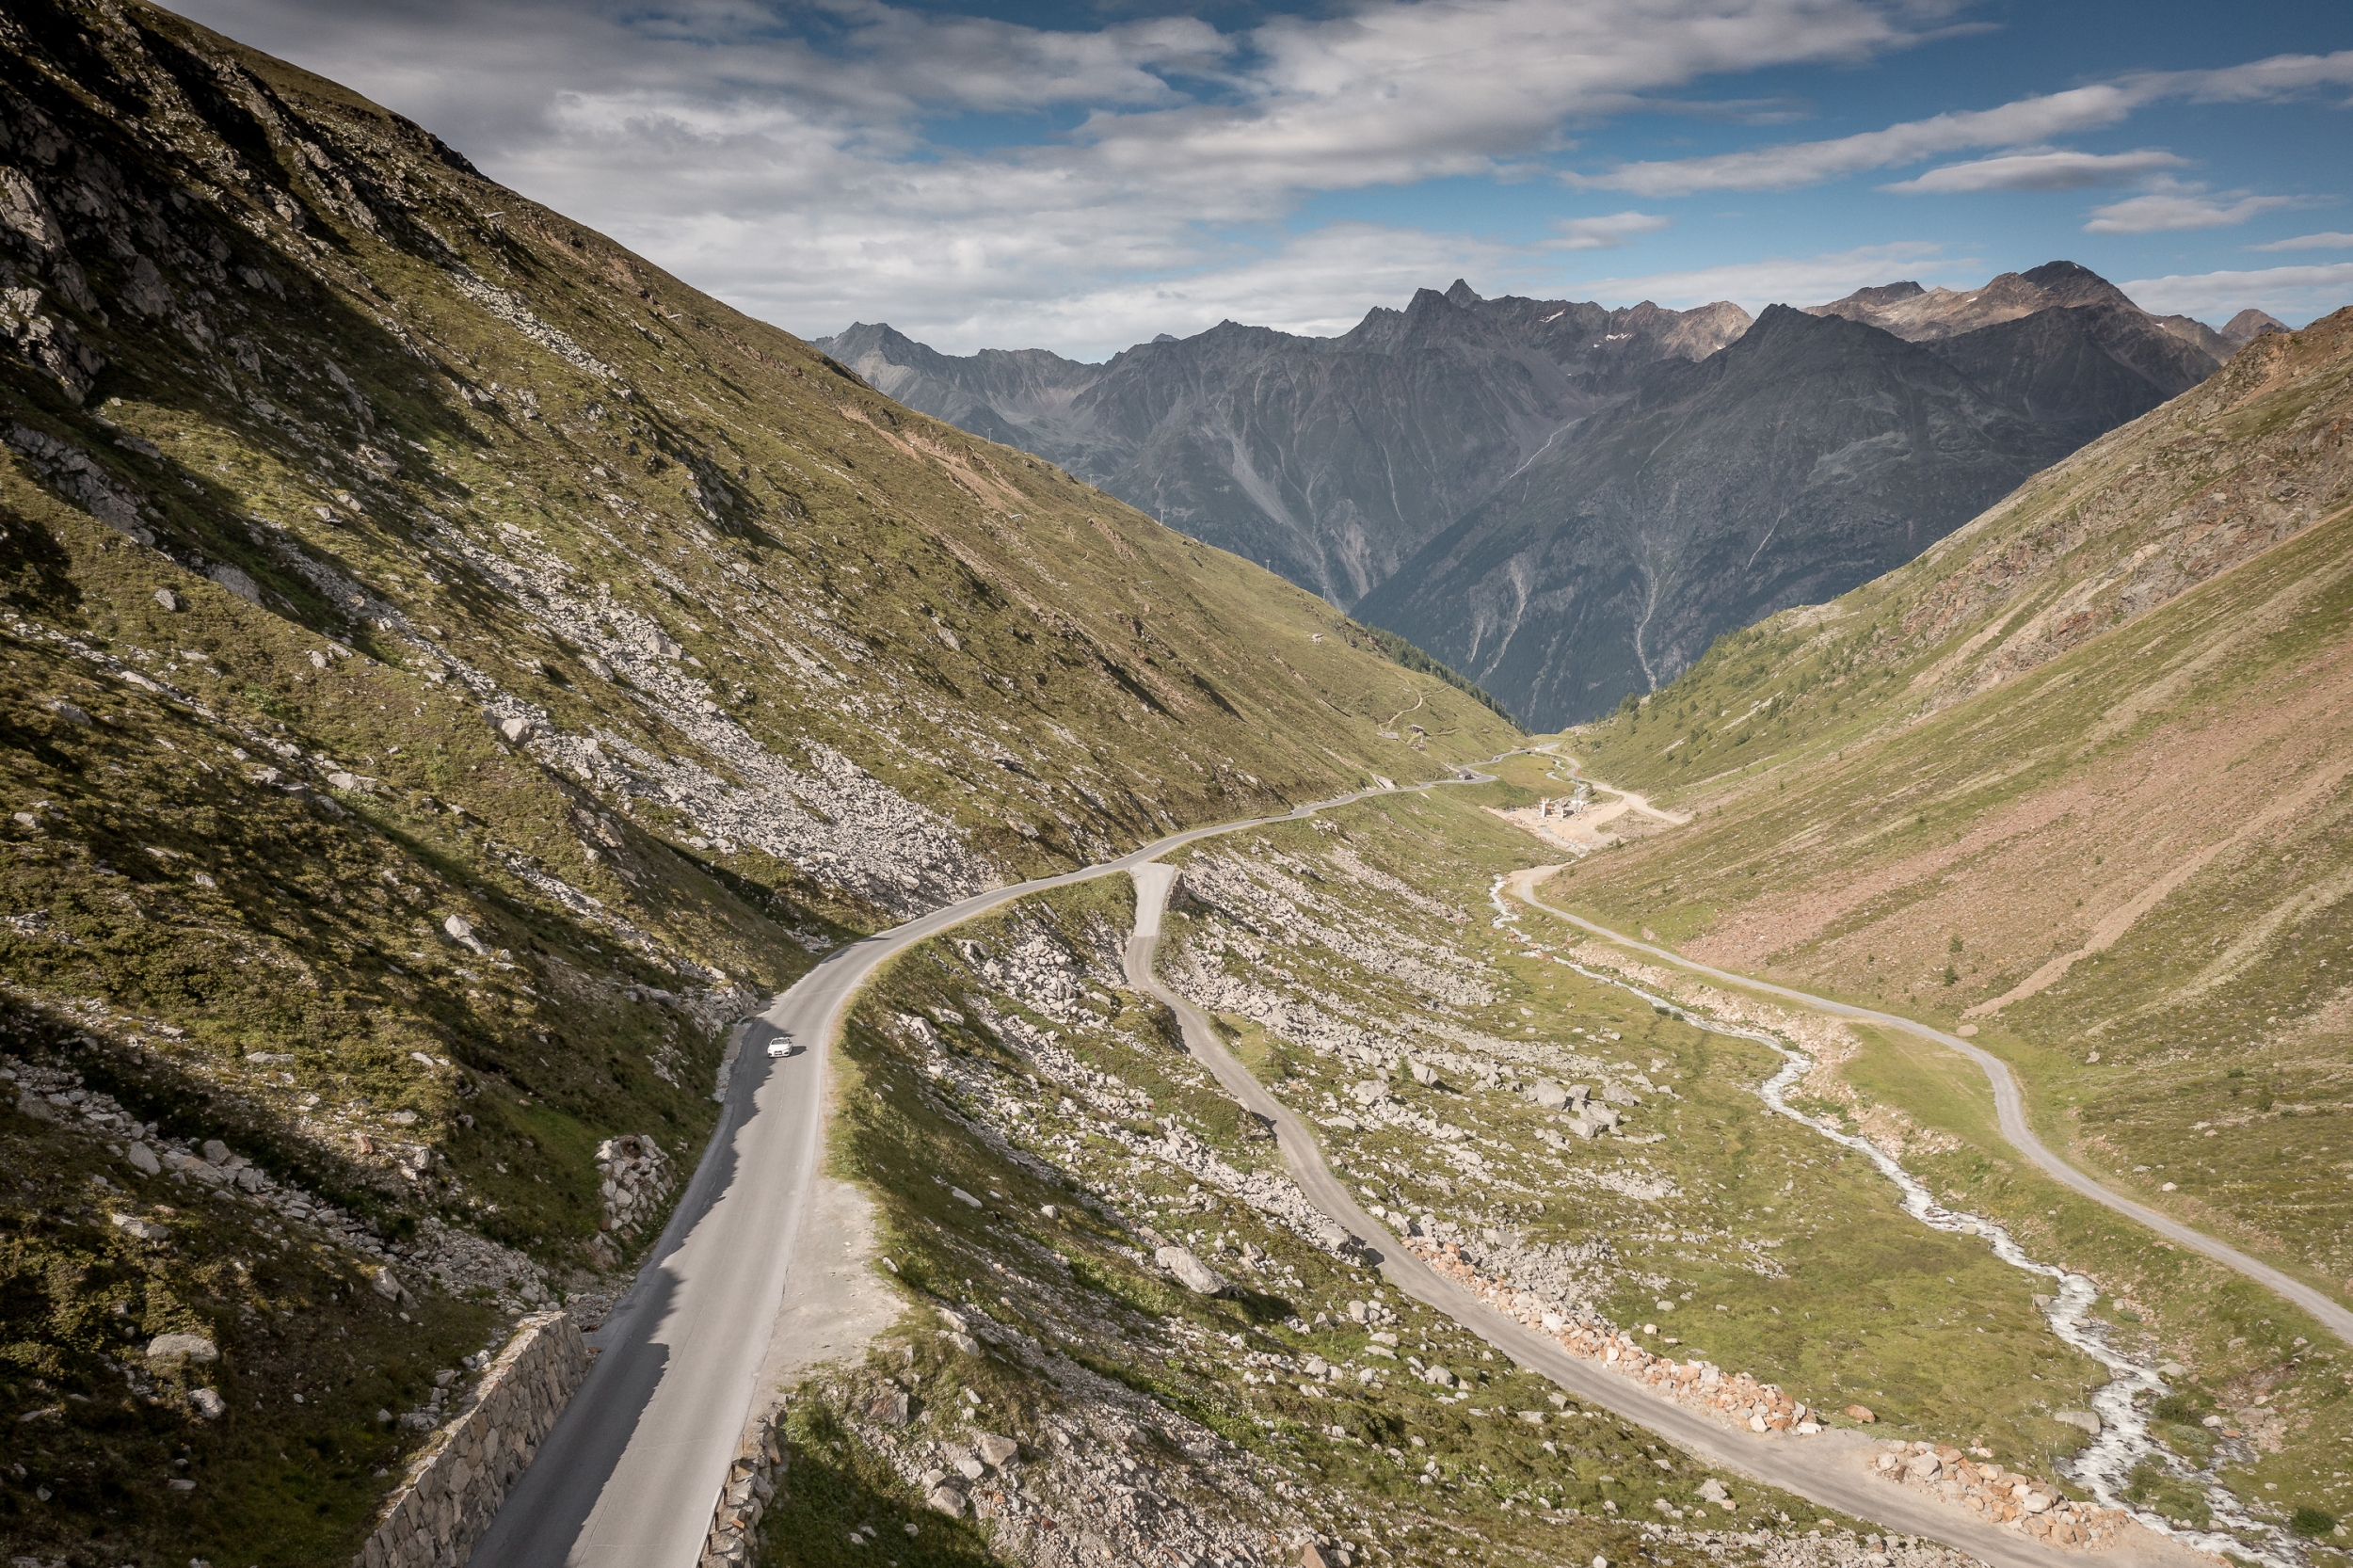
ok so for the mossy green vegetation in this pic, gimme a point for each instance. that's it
(1007, 1063)
(110, 1451)
(2072, 782)
(1746, 1238)
(451, 669)
(2073, 779)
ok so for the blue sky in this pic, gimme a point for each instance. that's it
(1081, 177)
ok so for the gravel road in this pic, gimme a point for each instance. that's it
(633, 1472)
(1827, 1469)
(2009, 1104)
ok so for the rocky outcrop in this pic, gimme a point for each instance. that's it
(2025, 1503)
(633, 1176)
(455, 1486)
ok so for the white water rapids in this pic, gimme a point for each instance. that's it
(2125, 1441)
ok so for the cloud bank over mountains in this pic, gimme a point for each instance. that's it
(995, 180)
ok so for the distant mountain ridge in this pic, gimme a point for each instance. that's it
(1812, 455)
(1331, 461)
(1922, 315)
(1567, 502)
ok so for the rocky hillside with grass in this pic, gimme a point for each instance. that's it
(452, 670)
(1126, 1328)
(2075, 781)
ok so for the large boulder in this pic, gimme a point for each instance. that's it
(1191, 1272)
(173, 1349)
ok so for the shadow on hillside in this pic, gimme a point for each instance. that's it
(834, 1485)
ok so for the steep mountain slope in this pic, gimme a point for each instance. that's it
(1813, 454)
(1547, 495)
(1792, 465)
(1328, 459)
(452, 670)
(2078, 778)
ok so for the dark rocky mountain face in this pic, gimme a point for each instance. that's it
(1568, 503)
(1330, 459)
(1810, 457)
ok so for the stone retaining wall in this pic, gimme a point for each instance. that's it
(633, 1176)
(752, 1482)
(455, 1487)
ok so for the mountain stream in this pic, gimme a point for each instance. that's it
(2126, 1440)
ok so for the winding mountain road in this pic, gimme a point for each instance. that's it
(631, 1473)
(2009, 1104)
(1828, 1469)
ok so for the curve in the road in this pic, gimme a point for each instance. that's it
(1827, 1469)
(2010, 1105)
(632, 1471)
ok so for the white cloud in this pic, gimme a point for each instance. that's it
(2310, 242)
(802, 161)
(1808, 162)
(1784, 279)
(2293, 294)
(1320, 283)
(2019, 124)
(2038, 169)
(1605, 234)
(2173, 205)
(985, 183)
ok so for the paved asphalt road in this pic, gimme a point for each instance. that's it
(1825, 1469)
(631, 1473)
(2010, 1108)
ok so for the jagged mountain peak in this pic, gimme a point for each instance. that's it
(2072, 281)
(1818, 448)
(1330, 459)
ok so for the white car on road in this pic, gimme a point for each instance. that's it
(782, 1045)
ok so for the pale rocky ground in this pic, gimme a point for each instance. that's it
(1080, 1470)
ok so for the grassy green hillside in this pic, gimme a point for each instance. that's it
(452, 670)
(2075, 779)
